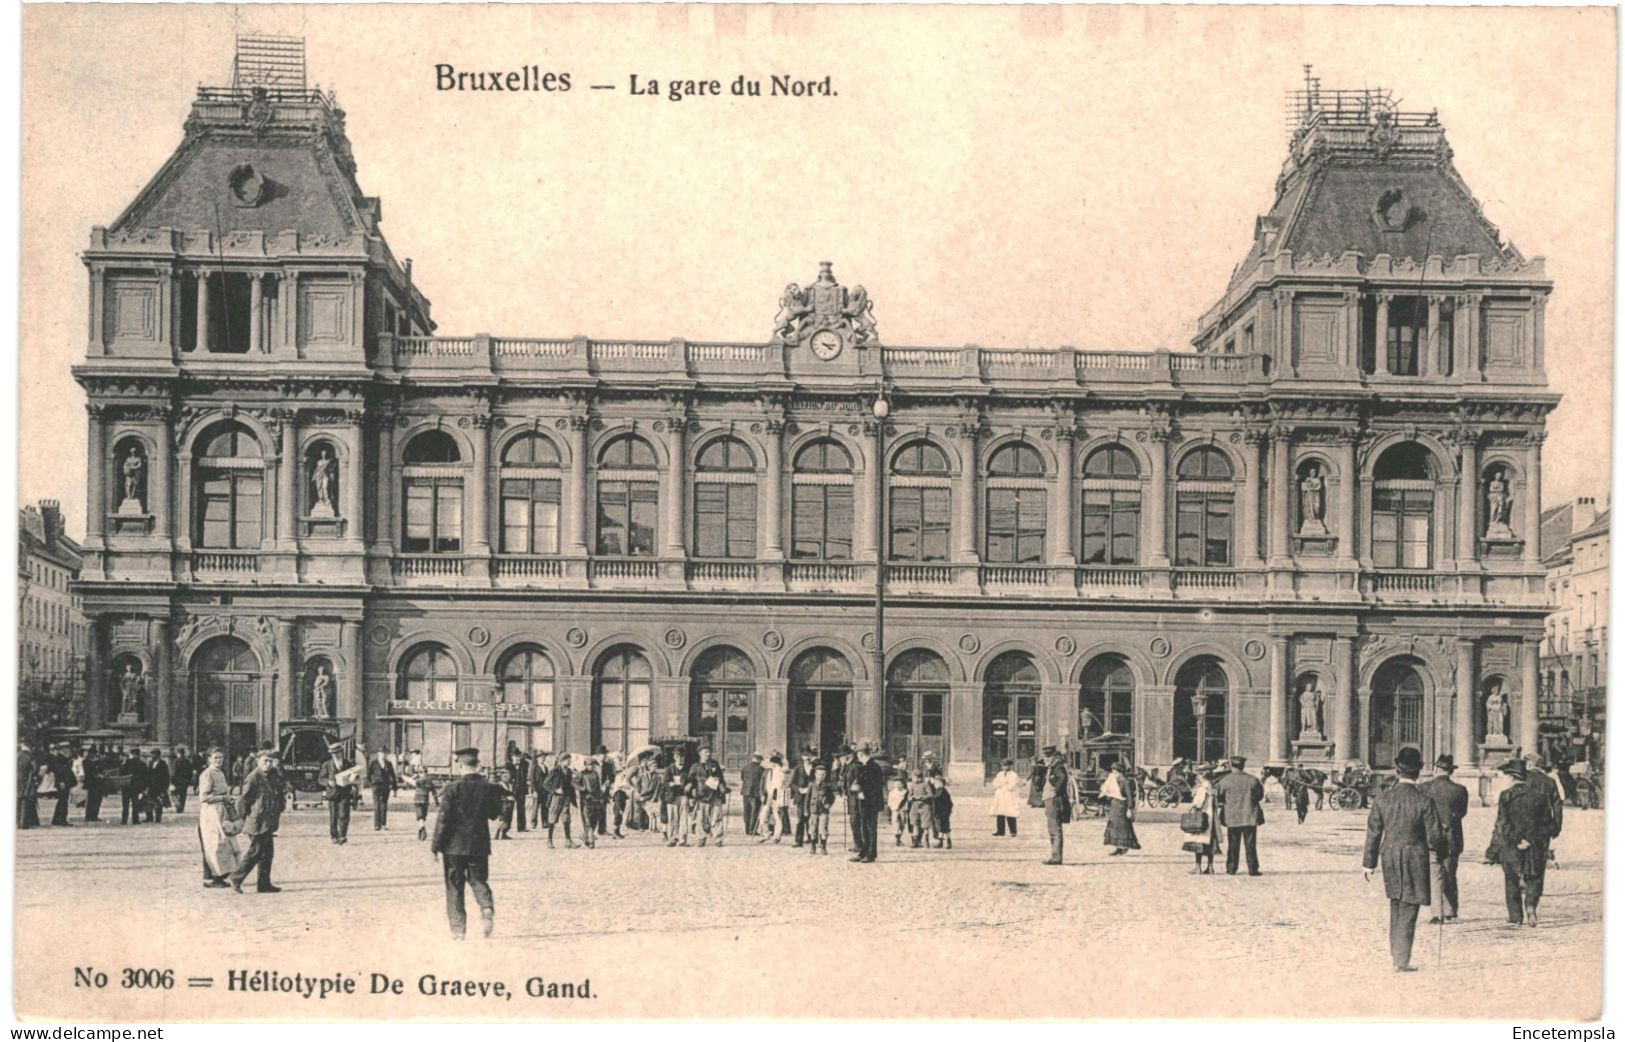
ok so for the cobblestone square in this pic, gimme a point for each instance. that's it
(765, 930)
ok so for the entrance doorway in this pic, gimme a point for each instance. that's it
(1396, 713)
(916, 696)
(719, 705)
(820, 692)
(1010, 713)
(226, 694)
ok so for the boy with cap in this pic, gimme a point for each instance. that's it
(1402, 827)
(462, 842)
(261, 802)
(422, 792)
(338, 794)
(561, 795)
(1450, 801)
(815, 810)
(589, 786)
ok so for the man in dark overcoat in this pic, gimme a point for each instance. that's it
(1402, 828)
(462, 840)
(62, 767)
(868, 789)
(157, 785)
(1241, 798)
(181, 779)
(750, 791)
(1450, 801)
(382, 781)
(559, 785)
(135, 788)
(1055, 793)
(1523, 832)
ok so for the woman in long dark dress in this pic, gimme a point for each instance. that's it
(1119, 790)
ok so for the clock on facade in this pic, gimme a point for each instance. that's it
(826, 344)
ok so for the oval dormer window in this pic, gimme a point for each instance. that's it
(247, 185)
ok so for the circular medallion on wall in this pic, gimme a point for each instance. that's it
(1065, 645)
(380, 635)
(868, 641)
(675, 638)
(1253, 649)
(576, 637)
(479, 636)
(969, 644)
(1160, 647)
(772, 640)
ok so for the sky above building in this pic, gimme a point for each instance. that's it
(1004, 177)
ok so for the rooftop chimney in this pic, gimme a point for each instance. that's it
(51, 512)
(1585, 513)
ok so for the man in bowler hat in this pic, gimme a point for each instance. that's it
(1241, 798)
(1056, 796)
(1402, 828)
(1523, 832)
(1450, 801)
(339, 797)
(868, 790)
(462, 841)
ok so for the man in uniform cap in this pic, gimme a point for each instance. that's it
(868, 793)
(1450, 801)
(1523, 830)
(463, 842)
(338, 796)
(1056, 795)
(1402, 827)
(1240, 798)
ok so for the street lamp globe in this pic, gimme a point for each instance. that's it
(882, 407)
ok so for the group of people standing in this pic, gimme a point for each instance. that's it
(146, 784)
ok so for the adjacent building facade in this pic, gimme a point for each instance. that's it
(52, 635)
(1313, 537)
(1574, 659)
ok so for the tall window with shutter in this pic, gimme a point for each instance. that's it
(628, 498)
(821, 503)
(920, 504)
(725, 501)
(1017, 507)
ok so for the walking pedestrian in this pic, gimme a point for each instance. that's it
(1006, 799)
(942, 809)
(157, 786)
(135, 788)
(709, 786)
(869, 791)
(917, 808)
(338, 790)
(775, 800)
(1402, 827)
(750, 792)
(589, 792)
(1240, 797)
(422, 793)
(382, 781)
(62, 768)
(214, 803)
(262, 801)
(800, 782)
(1523, 832)
(1051, 791)
(1204, 841)
(462, 841)
(1119, 792)
(1450, 802)
(561, 799)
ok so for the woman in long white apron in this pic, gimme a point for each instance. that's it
(1006, 799)
(219, 848)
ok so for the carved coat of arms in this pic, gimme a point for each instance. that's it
(825, 305)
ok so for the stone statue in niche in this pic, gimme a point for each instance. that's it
(1310, 703)
(134, 469)
(1496, 712)
(130, 685)
(1312, 502)
(321, 694)
(323, 478)
(1498, 500)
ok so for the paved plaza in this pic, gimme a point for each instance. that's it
(757, 930)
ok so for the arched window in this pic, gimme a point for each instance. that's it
(1106, 698)
(230, 489)
(628, 498)
(1201, 697)
(429, 675)
(1396, 712)
(1205, 508)
(622, 692)
(725, 501)
(1010, 712)
(432, 521)
(1017, 506)
(530, 495)
(821, 503)
(916, 693)
(919, 509)
(1111, 507)
(526, 678)
(719, 704)
(1402, 508)
(820, 691)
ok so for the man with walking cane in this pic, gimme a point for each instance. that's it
(1402, 828)
(1523, 830)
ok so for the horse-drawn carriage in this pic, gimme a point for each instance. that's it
(1090, 763)
(1354, 788)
